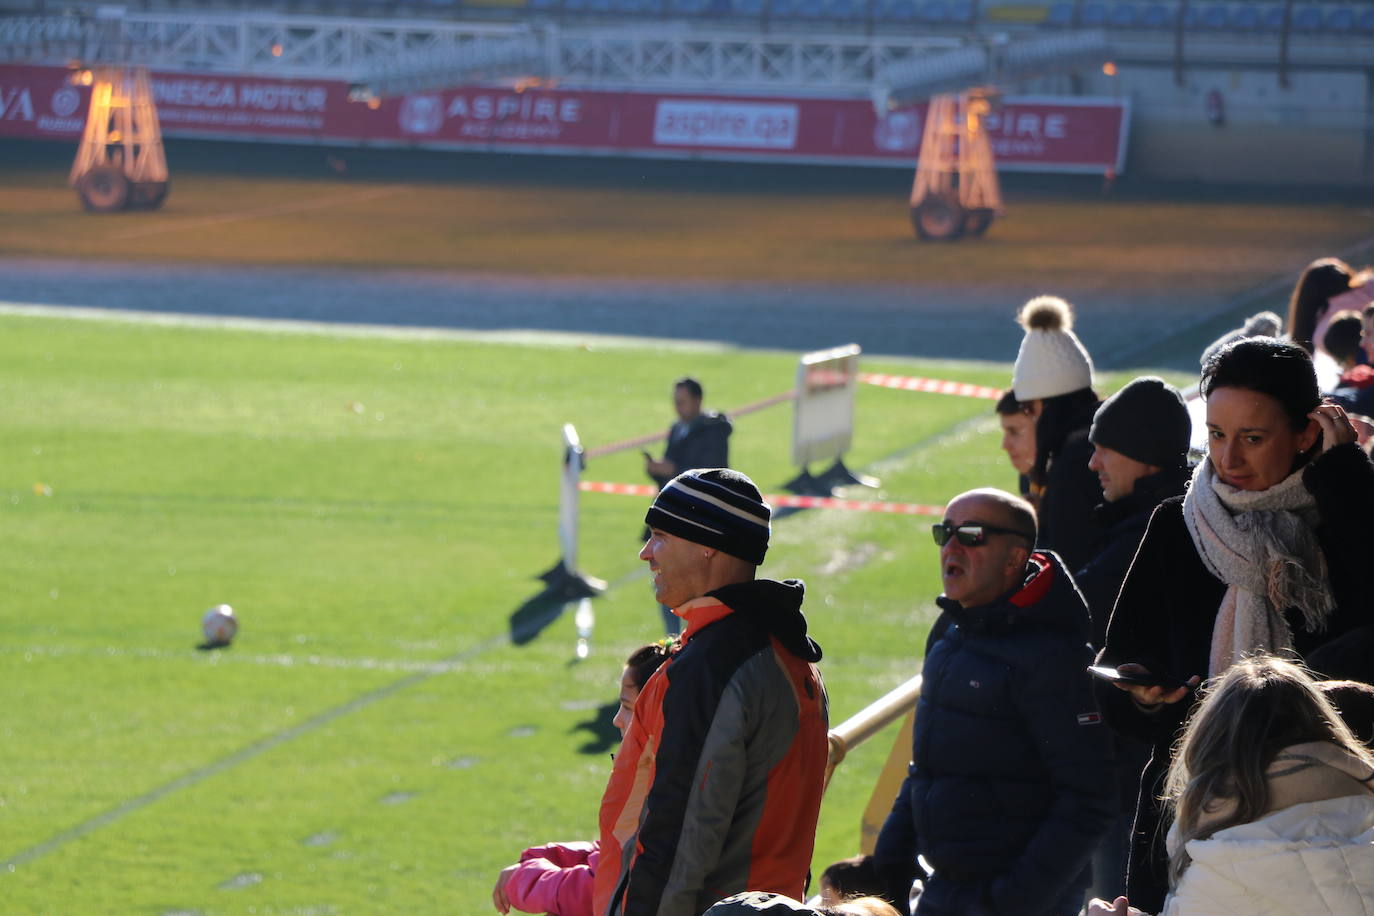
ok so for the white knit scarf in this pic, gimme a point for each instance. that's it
(1262, 545)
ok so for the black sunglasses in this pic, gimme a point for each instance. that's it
(970, 535)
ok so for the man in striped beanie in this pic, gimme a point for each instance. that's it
(717, 785)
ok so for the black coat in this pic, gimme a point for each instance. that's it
(702, 442)
(1071, 493)
(1122, 525)
(1164, 615)
(1010, 786)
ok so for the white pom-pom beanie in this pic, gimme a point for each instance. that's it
(1052, 360)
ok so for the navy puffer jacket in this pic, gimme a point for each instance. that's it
(1010, 785)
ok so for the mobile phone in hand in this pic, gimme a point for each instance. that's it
(1110, 673)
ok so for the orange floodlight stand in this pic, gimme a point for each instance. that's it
(955, 191)
(120, 163)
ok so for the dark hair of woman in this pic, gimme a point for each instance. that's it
(1008, 405)
(645, 660)
(1059, 416)
(1321, 280)
(1270, 366)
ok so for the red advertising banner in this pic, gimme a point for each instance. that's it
(1029, 133)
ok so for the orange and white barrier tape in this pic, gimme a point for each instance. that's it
(930, 385)
(779, 500)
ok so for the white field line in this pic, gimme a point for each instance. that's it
(523, 338)
(423, 672)
(256, 749)
(232, 657)
(302, 206)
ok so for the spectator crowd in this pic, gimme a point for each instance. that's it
(1147, 689)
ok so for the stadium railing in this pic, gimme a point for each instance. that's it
(870, 720)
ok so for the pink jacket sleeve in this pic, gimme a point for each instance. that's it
(555, 879)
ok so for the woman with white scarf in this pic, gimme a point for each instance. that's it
(1272, 799)
(1269, 550)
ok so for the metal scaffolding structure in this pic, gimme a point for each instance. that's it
(362, 51)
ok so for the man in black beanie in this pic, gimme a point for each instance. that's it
(1140, 439)
(717, 785)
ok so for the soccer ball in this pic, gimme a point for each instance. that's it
(219, 625)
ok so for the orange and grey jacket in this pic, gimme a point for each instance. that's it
(717, 786)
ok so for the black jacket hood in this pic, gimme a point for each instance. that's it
(776, 607)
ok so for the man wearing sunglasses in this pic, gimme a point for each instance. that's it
(1010, 786)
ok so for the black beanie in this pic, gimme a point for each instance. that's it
(716, 507)
(1148, 421)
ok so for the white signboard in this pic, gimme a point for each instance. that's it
(823, 420)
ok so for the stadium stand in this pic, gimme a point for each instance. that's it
(1223, 19)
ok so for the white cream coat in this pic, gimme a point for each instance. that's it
(1309, 859)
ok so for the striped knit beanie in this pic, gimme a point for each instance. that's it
(714, 507)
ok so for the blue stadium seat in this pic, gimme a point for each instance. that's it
(1093, 15)
(843, 10)
(1365, 23)
(574, 6)
(1307, 19)
(961, 12)
(783, 9)
(1060, 15)
(1273, 18)
(544, 4)
(599, 6)
(750, 8)
(1123, 16)
(1246, 19)
(1158, 16)
(1214, 18)
(1340, 21)
(898, 11)
(934, 12)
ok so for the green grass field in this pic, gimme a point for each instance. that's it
(374, 510)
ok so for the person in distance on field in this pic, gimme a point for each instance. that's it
(698, 439)
(717, 786)
(1010, 785)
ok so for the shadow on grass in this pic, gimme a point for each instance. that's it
(535, 615)
(602, 735)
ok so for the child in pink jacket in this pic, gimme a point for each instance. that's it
(557, 878)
